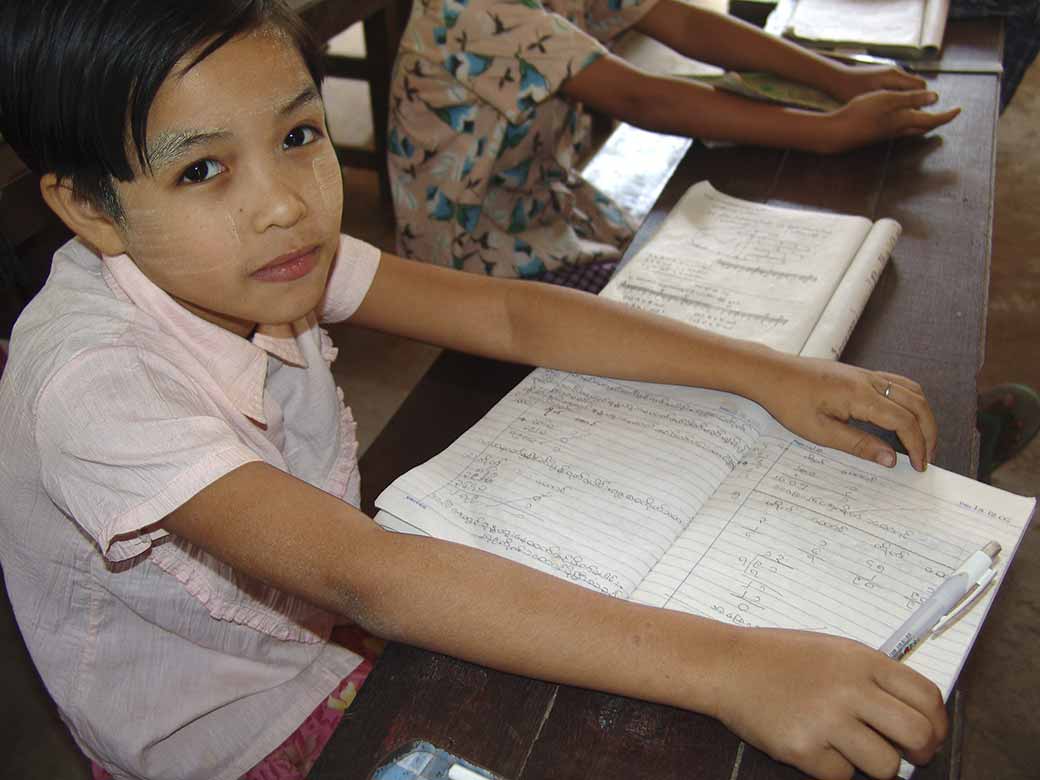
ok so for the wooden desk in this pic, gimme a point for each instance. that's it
(926, 319)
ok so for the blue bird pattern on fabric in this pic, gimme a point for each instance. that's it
(483, 149)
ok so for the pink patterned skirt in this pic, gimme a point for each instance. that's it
(293, 759)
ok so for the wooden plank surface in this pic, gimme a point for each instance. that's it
(328, 18)
(926, 319)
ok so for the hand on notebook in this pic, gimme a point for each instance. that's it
(875, 116)
(826, 704)
(816, 398)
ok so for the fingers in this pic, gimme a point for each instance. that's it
(922, 121)
(904, 711)
(911, 395)
(893, 402)
(908, 118)
(922, 695)
(894, 722)
(829, 764)
(868, 750)
(899, 79)
(899, 406)
(918, 98)
(845, 437)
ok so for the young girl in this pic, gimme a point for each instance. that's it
(486, 122)
(180, 533)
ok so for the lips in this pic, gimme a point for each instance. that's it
(288, 267)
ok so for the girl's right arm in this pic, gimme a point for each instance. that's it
(821, 703)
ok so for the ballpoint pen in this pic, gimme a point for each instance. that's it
(937, 609)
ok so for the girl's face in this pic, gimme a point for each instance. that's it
(239, 218)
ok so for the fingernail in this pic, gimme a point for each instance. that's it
(932, 97)
(887, 459)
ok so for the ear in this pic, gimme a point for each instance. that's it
(84, 219)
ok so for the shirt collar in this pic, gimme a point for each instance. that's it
(238, 365)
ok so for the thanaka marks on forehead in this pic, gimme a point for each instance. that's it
(171, 146)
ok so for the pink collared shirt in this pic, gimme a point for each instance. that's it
(118, 405)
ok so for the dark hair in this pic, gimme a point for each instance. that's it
(76, 75)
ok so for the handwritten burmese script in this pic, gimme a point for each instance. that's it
(698, 501)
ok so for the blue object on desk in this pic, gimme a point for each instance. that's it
(422, 761)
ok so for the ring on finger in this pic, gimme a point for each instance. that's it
(887, 392)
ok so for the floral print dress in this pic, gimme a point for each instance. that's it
(482, 148)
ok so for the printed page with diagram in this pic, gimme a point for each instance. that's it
(794, 280)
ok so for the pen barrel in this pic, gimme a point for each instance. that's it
(924, 618)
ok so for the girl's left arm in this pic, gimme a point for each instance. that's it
(736, 45)
(545, 325)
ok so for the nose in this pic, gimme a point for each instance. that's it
(278, 200)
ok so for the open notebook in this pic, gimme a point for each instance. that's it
(698, 501)
(795, 280)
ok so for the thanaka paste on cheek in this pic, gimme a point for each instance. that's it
(233, 227)
(149, 236)
(330, 183)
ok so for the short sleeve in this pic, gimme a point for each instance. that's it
(352, 274)
(512, 55)
(606, 19)
(124, 439)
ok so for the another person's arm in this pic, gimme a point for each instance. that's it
(736, 45)
(884, 103)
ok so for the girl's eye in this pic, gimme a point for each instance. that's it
(300, 136)
(201, 171)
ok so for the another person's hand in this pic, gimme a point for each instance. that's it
(816, 398)
(876, 116)
(827, 705)
(854, 80)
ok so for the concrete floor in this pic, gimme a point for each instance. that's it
(377, 372)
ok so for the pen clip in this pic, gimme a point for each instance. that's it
(978, 589)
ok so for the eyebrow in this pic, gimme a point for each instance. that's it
(172, 146)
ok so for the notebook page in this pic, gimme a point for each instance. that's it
(933, 26)
(586, 478)
(800, 536)
(741, 269)
(881, 22)
(834, 328)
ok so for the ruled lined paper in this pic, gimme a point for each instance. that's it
(800, 536)
(590, 479)
(698, 501)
